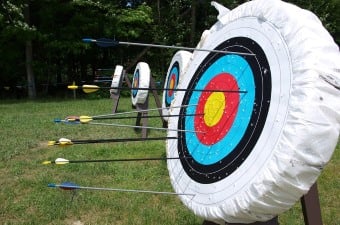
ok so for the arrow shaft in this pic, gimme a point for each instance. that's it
(148, 116)
(126, 160)
(120, 140)
(138, 111)
(114, 43)
(165, 89)
(70, 187)
(143, 127)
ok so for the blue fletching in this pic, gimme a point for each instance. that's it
(57, 120)
(106, 42)
(68, 186)
(88, 40)
(51, 185)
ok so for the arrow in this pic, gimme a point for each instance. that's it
(140, 127)
(106, 42)
(67, 142)
(73, 186)
(93, 88)
(138, 111)
(86, 119)
(61, 161)
(75, 119)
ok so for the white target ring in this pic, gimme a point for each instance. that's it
(176, 71)
(141, 82)
(116, 79)
(289, 116)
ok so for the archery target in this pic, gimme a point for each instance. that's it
(116, 79)
(176, 70)
(259, 145)
(141, 79)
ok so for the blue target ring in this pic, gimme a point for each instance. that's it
(171, 84)
(241, 70)
(217, 159)
(135, 83)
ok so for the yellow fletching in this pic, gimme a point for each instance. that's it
(85, 119)
(90, 88)
(46, 162)
(72, 87)
(51, 143)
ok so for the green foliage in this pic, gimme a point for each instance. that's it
(57, 27)
(133, 23)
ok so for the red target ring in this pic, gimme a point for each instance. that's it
(172, 84)
(219, 109)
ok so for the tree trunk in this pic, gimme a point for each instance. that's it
(193, 22)
(29, 59)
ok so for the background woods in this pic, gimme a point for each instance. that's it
(41, 49)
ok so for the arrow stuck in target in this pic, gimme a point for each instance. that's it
(86, 119)
(73, 186)
(62, 161)
(67, 142)
(106, 42)
(93, 88)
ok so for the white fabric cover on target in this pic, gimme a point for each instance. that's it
(116, 79)
(144, 82)
(182, 58)
(306, 134)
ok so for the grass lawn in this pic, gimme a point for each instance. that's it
(27, 126)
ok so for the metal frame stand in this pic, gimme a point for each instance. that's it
(310, 208)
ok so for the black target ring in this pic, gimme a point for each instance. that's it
(260, 67)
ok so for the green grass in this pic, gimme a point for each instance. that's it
(25, 198)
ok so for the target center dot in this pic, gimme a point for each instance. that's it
(214, 108)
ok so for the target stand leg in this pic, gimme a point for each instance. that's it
(311, 207)
(127, 81)
(158, 102)
(115, 97)
(142, 116)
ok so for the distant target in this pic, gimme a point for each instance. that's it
(116, 79)
(175, 72)
(256, 149)
(141, 79)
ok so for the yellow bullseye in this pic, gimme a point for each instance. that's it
(172, 83)
(214, 108)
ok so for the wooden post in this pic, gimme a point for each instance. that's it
(116, 95)
(158, 102)
(142, 116)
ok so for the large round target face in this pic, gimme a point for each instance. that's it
(176, 71)
(229, 123)
(250, 150)
(140, 83)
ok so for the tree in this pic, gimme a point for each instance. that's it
(15, 32)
